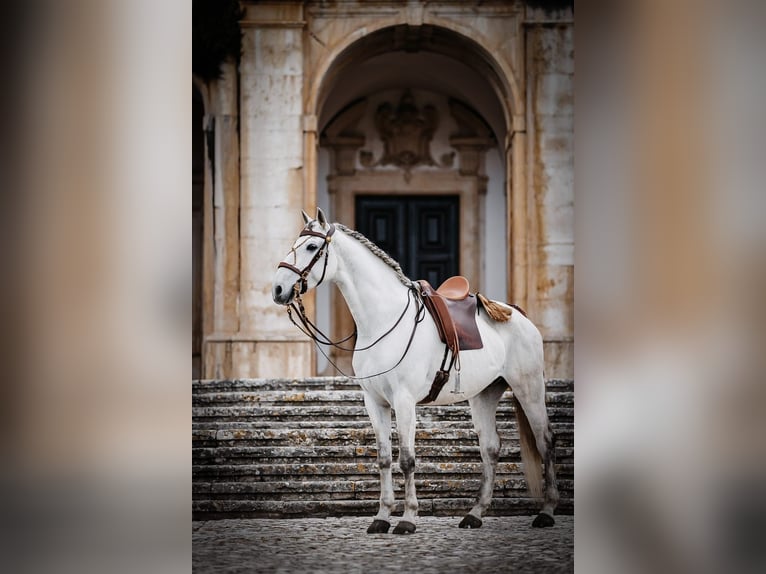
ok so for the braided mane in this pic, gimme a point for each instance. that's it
(379, 253)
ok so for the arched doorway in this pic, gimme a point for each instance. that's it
(412, 125)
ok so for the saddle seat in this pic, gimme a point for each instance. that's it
(455, 288)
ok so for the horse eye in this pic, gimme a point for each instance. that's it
(312, 247)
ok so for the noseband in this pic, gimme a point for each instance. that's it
(301, 286)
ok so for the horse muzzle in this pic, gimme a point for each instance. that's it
(282, 295)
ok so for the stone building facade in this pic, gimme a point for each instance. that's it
(347, 105)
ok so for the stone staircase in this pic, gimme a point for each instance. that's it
(290, 448)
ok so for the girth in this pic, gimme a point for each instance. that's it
(455, 321)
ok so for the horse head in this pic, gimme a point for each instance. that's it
(309, 261)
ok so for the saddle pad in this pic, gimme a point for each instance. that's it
(464, 314)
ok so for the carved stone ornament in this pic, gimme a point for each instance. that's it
(406, 132)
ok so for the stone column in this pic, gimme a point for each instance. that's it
(550, 72)
(272, 79)
(221, 234)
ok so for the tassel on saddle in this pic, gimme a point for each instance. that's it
(495, 311)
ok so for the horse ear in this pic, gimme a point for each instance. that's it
(321, 217)
(306, 218)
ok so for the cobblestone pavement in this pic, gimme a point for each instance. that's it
(502, 544)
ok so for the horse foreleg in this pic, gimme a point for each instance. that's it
(405, 423)
(380, 415)
(483, 413)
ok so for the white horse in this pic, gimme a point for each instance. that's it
(398, 352)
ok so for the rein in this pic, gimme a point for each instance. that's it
(310, 330)
(314, 333)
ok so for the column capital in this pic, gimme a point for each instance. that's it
(310, 123)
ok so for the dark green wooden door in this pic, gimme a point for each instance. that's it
(420, 232)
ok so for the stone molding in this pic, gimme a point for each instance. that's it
(407, 131)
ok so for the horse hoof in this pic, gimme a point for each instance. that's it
(543, 520)
(404, 527)
(378, 527)
(470, 521)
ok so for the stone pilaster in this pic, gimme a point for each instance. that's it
(550, 72)
(268, 345)
(221, 231)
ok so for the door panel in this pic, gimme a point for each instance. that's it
(420, 232)
(381, 221)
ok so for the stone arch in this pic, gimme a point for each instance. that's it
(360, 47)
(451, 39)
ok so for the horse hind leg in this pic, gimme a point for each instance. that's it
(537, 448)
(483, 413)
(545, 518)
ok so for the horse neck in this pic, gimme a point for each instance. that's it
(372, 290)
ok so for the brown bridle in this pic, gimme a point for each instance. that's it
(313, 332)
(301, 285)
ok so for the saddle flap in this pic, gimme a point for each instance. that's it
(455, 288)
(463, 313)
(455, 318)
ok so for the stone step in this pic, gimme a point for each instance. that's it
(315, 383)
(343, 397)
(286, 455)
(349, 471)
(283, 447)
(314, 452)
(311, 383)
(362, 422)
(210, 428)
(354, 489)
(361, 434)
(212, 509)
(353, 438)
(247, 414)
(294, 453)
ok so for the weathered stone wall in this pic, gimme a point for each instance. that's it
(221, 199)
(550, 127)
(271, 116)
(264, 166)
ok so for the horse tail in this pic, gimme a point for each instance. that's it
(530, 456)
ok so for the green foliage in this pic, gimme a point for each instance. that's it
(215, 35)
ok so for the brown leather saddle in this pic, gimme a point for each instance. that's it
(454, 311)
